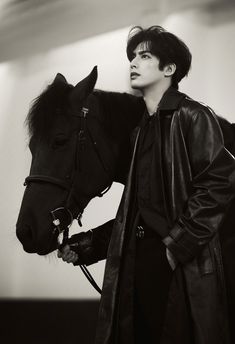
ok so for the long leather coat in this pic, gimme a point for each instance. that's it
(198, 183)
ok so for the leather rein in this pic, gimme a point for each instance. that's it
(60, 228)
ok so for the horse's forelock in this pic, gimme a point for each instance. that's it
(42, 114)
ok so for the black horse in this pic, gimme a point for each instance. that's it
(79, 140)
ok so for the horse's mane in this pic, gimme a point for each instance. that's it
(44, 109)
(119, 112)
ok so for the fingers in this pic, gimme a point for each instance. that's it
(63, 251)
(67, 254)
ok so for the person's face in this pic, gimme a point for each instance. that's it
(144, 68)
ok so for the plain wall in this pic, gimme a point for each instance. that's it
(210, 36)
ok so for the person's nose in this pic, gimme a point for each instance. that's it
(134, 63)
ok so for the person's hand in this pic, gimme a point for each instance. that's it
(79, 249)
(171, 259)
(67, 254)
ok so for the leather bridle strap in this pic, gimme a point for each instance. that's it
(41, 178)
(90, 278)
(58, 182)
(67, 185)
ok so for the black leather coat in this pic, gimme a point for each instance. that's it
(198, 183)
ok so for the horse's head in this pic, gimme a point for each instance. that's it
(67, 170)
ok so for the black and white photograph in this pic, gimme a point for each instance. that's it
(117, 148)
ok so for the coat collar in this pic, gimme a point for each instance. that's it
(171, 99)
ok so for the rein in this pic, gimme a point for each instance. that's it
(56, 221)
(60, 227)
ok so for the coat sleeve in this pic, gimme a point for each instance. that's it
(91, 246)
(212, 188)
(101, 238)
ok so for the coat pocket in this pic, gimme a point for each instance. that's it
(205, 262)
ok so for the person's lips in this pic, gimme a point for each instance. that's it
(134, 75)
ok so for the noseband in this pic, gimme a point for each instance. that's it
(62, 217)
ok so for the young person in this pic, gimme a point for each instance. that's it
(163, 280)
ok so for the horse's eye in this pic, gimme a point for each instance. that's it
(59, 141)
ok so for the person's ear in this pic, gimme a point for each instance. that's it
(169, 69)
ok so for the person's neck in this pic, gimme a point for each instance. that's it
(153, 95)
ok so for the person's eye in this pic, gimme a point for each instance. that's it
(146, 56)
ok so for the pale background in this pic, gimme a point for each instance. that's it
(71, 37)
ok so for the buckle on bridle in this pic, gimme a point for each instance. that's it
(57, 221)
(60, 227)
(63, 228)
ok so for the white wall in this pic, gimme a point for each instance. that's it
(210, 36)
(211, 81)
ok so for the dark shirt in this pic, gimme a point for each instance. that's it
(149, 184)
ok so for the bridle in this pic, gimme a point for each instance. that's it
(62, 227)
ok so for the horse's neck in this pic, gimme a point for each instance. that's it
(228, 130)
(121, 111)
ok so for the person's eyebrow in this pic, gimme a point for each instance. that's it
(141, 52)
(144, 52)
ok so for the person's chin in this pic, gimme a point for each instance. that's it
(135, 85)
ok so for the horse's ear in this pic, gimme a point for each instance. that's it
(60, 79)
(84, 87)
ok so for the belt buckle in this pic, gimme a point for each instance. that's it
(140, 232)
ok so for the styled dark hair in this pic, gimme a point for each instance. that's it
(167, 47)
